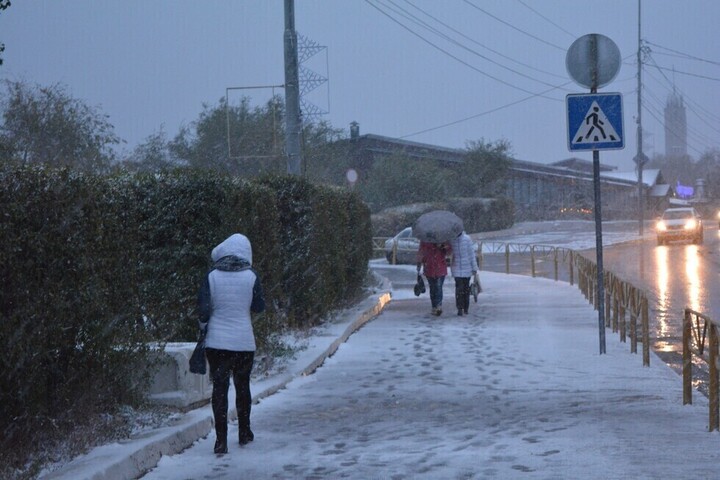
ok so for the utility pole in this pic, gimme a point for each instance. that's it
(640, 158)
(292, 92)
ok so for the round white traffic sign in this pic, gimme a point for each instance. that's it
(593, 60)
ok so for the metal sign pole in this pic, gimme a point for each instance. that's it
(598, 210)
(599, 250)
(593, 61)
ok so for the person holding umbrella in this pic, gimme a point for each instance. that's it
(431, 257)
(464, 265)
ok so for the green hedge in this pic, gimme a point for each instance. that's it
(94, 268)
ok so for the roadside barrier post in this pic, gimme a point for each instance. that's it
(713, 381)
(687, 358)
(608, 298)
(646, 332)
(507, 258)
(634, 311)
(532, 259)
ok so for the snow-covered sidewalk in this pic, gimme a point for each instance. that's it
(517, 389)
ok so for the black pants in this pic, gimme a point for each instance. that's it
(223, 363)
(462, 293)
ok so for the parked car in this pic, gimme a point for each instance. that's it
(682, 223)
(407, 247)
(404, 245)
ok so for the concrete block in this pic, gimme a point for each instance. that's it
(173, 384)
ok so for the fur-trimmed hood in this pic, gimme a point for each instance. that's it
(236, 245)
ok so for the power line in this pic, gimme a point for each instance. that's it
(487, 112)
(693, 134)
(545, 18)
(483, 45)
(424, 24)
(514, 27)
(659, 106)
(673, 87)
(680, 72)
(660, 121)
(683, 55)
(457, 58)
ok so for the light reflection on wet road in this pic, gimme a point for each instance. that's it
(674, 276)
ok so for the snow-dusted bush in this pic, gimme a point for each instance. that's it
(69, 325)
(326, 243)
(94, 268)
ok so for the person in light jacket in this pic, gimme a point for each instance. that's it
(463, 266)
(228, 295)
(431, 256)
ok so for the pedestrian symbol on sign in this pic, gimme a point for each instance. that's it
(595, 128)
(595, 121)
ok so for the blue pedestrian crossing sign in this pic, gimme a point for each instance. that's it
(595, 121)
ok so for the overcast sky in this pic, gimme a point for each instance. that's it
(438, 72)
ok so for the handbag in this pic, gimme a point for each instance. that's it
(197, 359)
(419, 287)
(475, 287)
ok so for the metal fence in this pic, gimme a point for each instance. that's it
(697, 329)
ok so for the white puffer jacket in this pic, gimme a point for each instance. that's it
(231, 294)
(464, 261)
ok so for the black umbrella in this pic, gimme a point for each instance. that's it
(438, 226)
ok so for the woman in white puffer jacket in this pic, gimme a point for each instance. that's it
(464, 265)
(229, 293)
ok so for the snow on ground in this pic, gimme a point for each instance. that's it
(572, 234)
(517, 389)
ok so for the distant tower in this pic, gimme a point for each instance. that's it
(675, 126)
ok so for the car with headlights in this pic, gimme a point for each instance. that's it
(403, 247)
(682, 223)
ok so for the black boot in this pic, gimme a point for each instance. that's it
(221, 446)
(245, 436)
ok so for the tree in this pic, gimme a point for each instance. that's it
(325, 158)
(236, 139)
(399, 180)
(675, 168)
(708, 167)
(485, 168)
(4, 4)
(46, 125)
(153, 155)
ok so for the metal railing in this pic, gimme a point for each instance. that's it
(378, 244)
(622, 299)
(697, 328)
(537, 253)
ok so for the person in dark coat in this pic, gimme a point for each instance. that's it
(228, 295)
(431, 257)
